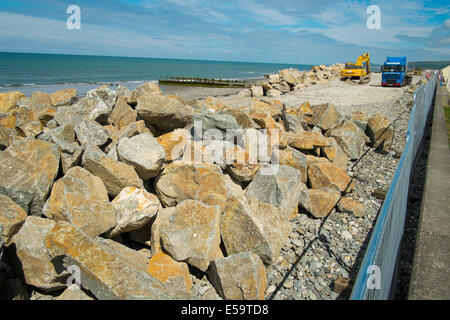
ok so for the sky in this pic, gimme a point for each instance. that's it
(287, 31)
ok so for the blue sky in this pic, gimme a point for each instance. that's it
(288, 31)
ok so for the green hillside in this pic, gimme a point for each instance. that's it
(434, 65)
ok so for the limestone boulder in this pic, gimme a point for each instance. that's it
(90, 132)
(322, 175)
(257, 91)
(291, 76)
(81, 199)
(70, 153)
(350, 138)
(280, 189)
(12, 216)
(240, 276)
(154, 231)
(206, 125)
(64, 97)
(28, 168)
(254, 226)
(29, 256)
(122, 115)
(143, 153)
(181, 181)
(325, 116)
(380, 132)
(107, 95)
(93, 108)
(8, 100)
(115, 175)
(295, 159)
(173, 274)
(128, 131)
(103, 272)
(151, 88)
(360, 118)
(164, 113)
(27, 122)
(135, 208)
(319, 203)
(335, 154)
(304, 140)
(193, 233)
(40, 101)
(174, 143)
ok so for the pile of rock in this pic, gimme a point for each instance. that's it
(288, 80)
(205, 192)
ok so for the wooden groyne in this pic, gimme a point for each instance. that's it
(219, 83)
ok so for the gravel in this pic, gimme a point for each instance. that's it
(321, 250)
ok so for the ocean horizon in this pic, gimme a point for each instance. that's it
(32, 71)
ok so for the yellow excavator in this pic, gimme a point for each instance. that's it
(357, 71)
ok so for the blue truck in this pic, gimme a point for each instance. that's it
(394, 72)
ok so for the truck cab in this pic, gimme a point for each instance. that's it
(394, 72)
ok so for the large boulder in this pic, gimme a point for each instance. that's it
(81, 199)
(144, 153)
(257, 91)
(173, 274)
(280, 189)
(115, 175)
(254, 226)
(304, 140)
(291, 76)
(90, 132)
(122, 115)
(218, 121)
(380, 132)
(64, 97)
(107, 95)
(28, 168)
(107, 275)
(12, 216)
(240, 276)
(93, 108)
(350, 138)
(335, 154)
(319, 203)
(164, 113)
(295, 159)
(193, 233)
(324, 116)
(40, 101)
(181, 181)
(135, 208)
(174, 143)
(8, 100)
(322, 175)
(29, 256)
(70, 153)
(27, 122)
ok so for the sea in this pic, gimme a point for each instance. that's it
(28, 72)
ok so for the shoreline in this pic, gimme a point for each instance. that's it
(184, 92)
